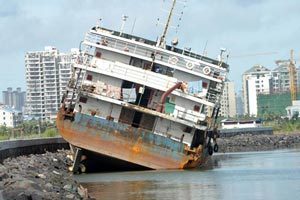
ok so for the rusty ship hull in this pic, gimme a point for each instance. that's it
(123, 142)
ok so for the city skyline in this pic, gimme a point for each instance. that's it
(243, 27)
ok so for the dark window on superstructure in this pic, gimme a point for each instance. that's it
(188, 129)
(89, 77)
(196, 108)
(204, 84)
(98, 54)
(83, 99)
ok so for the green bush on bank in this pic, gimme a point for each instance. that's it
(279, 124)
(50, 133)
(285, 126)
(29, 129)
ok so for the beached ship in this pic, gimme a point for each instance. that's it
(142, 103)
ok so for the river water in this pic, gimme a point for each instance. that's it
(255, 175)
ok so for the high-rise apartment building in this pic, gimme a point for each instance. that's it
(14, 99)
(47, 75)
(256, 80)
(281, 77)
(228, 101)
(239, 103)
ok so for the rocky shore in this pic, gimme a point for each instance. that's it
(244, 143)
(40, 176)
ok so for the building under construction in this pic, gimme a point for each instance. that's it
(282, 92)
(271, 105)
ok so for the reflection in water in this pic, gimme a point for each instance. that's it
(147, 190)
(262, 175)
(121, 190)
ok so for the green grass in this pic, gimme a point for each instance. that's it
(284, 126)
(4, 137)
(49, 132)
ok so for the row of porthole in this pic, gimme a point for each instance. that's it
(174, 60)
(189, 65)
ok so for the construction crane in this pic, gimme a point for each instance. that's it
(292, 75)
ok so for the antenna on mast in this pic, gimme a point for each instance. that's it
(124, 18)
(133, 26)
(162, 40)
(98, 23)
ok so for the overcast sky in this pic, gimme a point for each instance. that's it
(244, 27)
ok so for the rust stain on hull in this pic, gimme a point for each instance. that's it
(114, 145)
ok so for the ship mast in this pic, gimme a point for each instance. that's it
(162, 41)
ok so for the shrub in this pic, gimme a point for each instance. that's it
(50, 132)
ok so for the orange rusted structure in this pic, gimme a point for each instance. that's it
(160, 107)
(125, 146)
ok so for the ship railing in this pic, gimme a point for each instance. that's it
(212, 97)
(189, 115)
(177, 60)
(144, 79)
(178, 112)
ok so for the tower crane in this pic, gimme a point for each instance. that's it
(292, 75)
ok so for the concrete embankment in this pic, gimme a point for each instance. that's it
(14, 148)
(31, 172)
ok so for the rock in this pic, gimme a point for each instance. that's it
(248, 142)
(68, 187)
(40, 176)
(3, 175)
(22, 189)
(70, 196)
(55, 172)
(48, 185)
(82, 192)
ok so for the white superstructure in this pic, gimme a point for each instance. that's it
(126, 77)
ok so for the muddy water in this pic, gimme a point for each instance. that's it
(256, 175)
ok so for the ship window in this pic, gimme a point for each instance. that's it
(83, 99)
(98, 54)
(204, 84)
(89, 77)
(188, 129)
(196, 108)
